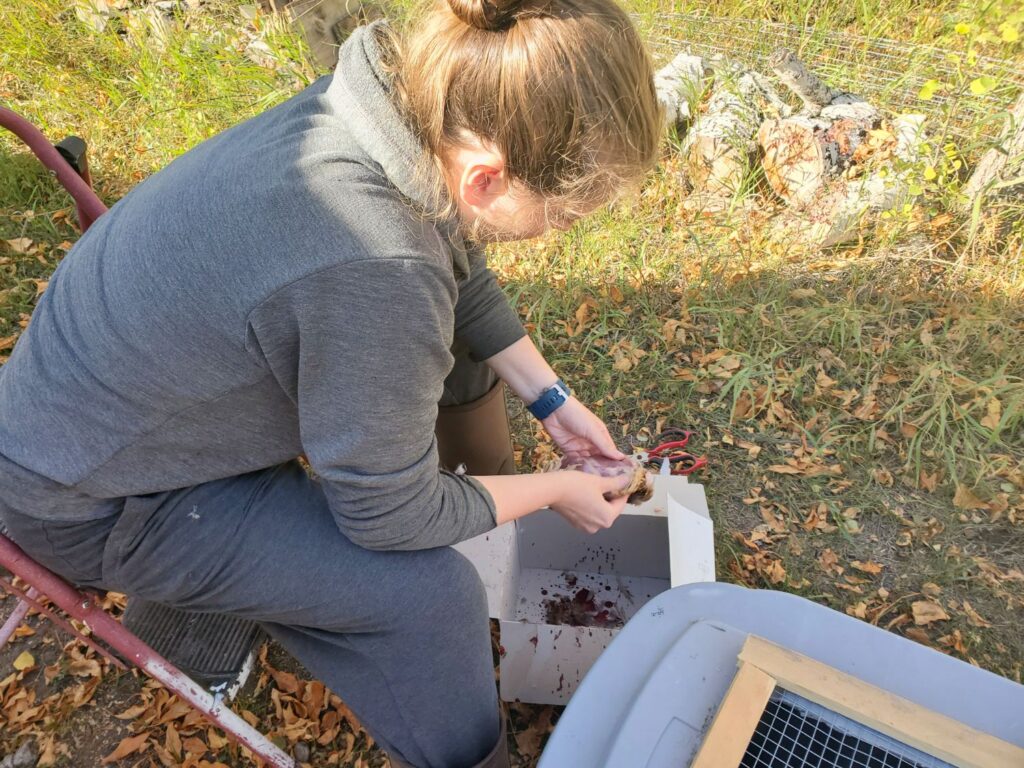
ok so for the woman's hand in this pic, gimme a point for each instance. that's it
(578, 432)
(582, 502)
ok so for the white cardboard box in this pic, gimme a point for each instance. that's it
(533, 569)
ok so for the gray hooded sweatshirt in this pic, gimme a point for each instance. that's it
(274, 291)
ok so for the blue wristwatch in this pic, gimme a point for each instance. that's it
(550, 400)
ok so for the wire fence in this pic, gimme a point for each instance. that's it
(888, 73)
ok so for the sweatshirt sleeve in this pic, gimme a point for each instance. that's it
(484, 318)
(362, 348)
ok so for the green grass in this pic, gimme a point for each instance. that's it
(871, 369)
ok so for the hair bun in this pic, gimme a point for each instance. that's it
(492, 15)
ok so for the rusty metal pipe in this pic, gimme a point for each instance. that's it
(90, 207)
(17, 616)
(82, 607)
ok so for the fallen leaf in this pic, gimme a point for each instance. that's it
(955, 641)
(172, 741)
(829, 562)
(859, 610)
(132, 712)
(931, 589)
(286, 681)
(928, 482)
(818, 519)
(217, 742)
(8, 341)
(195, 746)
(177, 709)
(528, 740)
(127, 746)
(673, 332)
(883, 436)
(925, 612)
(974, 618)
(993, 413)
(85, 668)
(868, 408)
(918, 635)
(751, 449)
(775, 572)
(964, 499)
(250, 718)
(24, 661)
(868, 567)
(167, 760)
(626, 355)
(684, 374)
(314, 696)
(831, 358)
(48, 754)
(725, 367)
(743, 407)
(785, 469)
(20, 244)
(806, 467)
(582, 315)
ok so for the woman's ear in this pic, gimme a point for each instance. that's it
(483, 179)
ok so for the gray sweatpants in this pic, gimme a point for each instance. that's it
(402, 637)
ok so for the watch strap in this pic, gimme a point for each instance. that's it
(550, 400)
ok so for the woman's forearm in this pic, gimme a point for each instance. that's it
(518, 495)
(524, 369)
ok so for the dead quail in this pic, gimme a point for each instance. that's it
(640, 487)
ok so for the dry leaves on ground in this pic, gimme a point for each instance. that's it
(926, 612)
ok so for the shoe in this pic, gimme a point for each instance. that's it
(476, 434)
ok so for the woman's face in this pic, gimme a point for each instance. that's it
(519, 215)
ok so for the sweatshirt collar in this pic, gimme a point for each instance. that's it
(362, 93)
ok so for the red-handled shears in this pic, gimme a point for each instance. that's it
(671, 454)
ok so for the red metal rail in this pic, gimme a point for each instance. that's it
(90, 207)
(81, 606)
(17, 615)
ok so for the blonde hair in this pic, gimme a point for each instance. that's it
(564, 89)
